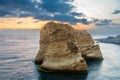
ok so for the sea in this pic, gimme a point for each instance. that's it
(18, 49)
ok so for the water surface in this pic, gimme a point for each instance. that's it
(19, 47)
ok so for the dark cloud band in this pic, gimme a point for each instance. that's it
(60, 10)
(116, 12)
(46, 10)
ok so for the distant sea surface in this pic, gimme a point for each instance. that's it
(18, 49)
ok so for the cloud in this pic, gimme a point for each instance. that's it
(116, 12)
(102, 22)
(60, 10)
(56, 6)
(19, 22)
(77, 14)
(8, 7)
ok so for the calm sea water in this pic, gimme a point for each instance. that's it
(19, 47)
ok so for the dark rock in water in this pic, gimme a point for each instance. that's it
(63, 48)
(115, 40)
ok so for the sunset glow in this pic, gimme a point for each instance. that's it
(21, 23)
(84, 14)
(31, 23)
(80, 26)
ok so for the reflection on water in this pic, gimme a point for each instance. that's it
(62, 76)
(95, 66)
(19, 47)
(17, 51)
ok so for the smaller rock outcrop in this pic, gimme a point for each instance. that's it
(63, 48)
(115, 40)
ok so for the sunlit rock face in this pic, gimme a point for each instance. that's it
(64, 48)
(87, 46)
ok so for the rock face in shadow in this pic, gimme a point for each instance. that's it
(64, 48)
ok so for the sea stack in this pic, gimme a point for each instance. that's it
(62, 48)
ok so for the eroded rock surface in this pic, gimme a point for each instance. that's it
(64, 48)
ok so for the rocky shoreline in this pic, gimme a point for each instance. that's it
(115, 40)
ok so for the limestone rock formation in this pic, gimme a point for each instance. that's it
(64, 48)
(87, 46)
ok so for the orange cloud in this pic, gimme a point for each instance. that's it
(21, 23)
(80, 26)
(31, 23)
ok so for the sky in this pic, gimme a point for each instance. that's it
(82, 14)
